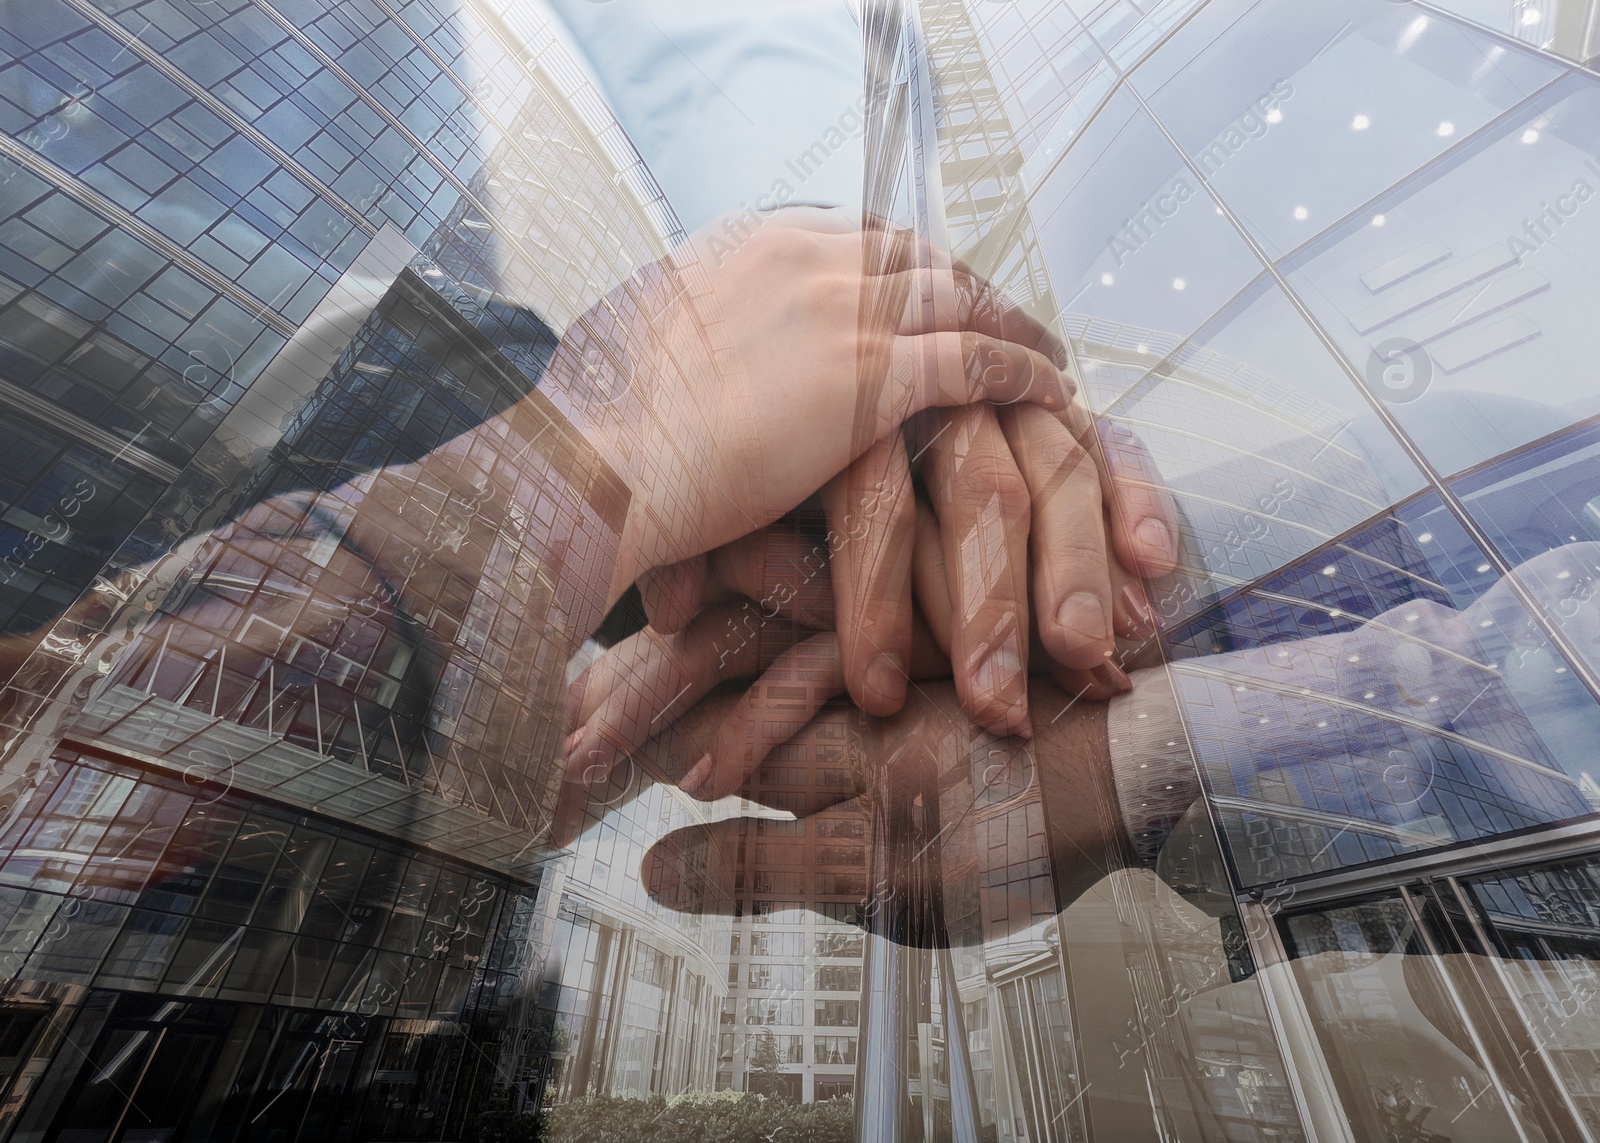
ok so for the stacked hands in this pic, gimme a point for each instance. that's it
(853, 470)
(851, 465)
(935, 483)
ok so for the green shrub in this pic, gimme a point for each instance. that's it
(701, 1117)
(499, 1122)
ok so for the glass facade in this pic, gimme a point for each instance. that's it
(313, 317)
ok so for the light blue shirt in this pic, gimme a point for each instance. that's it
(732, 102)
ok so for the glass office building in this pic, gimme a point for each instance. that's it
(275, 856)
(273, 866)
(1331, 266)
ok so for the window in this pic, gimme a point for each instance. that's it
(767, 827)
(759, 1011)
(777, 912)
(850, 856)
(790, 1049)
(840, 912)
(729, 1008)
(837, 1013)
(842, 884)
(777, 976)
(782, 881)
(840, 944)
(838, 978)
(834, 1049)
(835, 1087)
(650, 966)
(841, 827)
(777, 944)
(725, 1046)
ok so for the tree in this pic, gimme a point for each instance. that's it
(766, 1066)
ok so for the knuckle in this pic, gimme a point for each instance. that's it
(1058, 454)
(1069, 556)
(976, 486)
(1012, 490)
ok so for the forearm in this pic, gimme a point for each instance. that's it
(1083, 818)
(521, 507)
(1116, 779)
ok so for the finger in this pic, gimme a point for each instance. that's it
(784, 570)
(982, 504)
(1071, 581)
(649, 680)
(1102, 684)
(700, 869)
(1133, 616)
(672, 594)
(930, 579)
(1144, 517)
(581, 804)
(1132, 612)
(789, 694)
(949, 368)
(941, 295)
(872, 512)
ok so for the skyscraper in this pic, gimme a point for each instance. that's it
(253, 252)
(1337, 313)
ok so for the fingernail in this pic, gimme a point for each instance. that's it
(1108, 674)
(1143, 615)
(1156, 540)
(1017, 723)
(886, 675)
(1020, 368)
(587, 759)
(572, 748)
(1001, 674)
(1084, 614)
(691, 782)
(1061, 396)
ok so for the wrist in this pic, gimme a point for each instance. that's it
(1083, 820)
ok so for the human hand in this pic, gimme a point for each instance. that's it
(844, 772)
(727, 389)
(1019, 494)
(768, 606)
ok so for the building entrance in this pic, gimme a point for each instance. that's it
(138, 1083)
